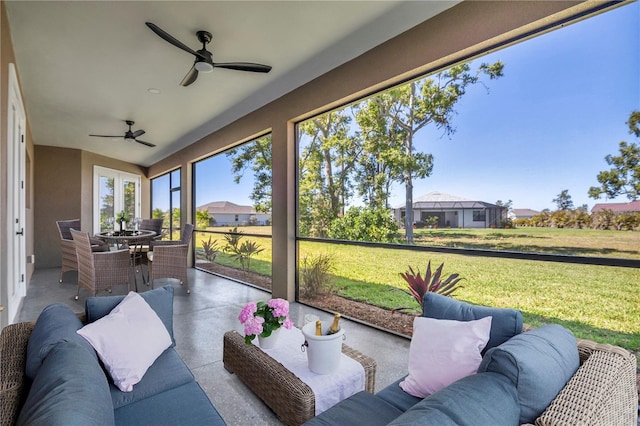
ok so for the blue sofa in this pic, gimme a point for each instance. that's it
(543, 375)
(56, 377)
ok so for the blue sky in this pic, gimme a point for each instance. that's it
(545, 126)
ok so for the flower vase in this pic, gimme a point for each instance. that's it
(269, 342)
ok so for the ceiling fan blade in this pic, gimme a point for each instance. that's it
(138, 133)
(190, 77)
(145, 143)
(107, 136)
(171, 39)
(244, 66)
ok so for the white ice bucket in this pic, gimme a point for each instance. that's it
(323, 352)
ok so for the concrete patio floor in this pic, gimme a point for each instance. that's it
(200, 321)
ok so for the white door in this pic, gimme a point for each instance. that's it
(114, 192)
(16, 153)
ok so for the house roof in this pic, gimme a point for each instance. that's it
(226, 207)
(442, 200)
(525, 212)
(633, 206)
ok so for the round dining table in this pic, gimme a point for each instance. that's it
(134, 240)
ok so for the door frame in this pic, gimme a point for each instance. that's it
(14, 289)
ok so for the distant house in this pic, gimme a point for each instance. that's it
(522, 213)
(227, 213)
(633, 206)
(452, 211)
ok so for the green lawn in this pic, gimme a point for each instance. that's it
(596, 302)
(577, 242)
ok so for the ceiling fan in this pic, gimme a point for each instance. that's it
(204, 58)
(129, 136)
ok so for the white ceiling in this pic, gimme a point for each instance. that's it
(85, 67)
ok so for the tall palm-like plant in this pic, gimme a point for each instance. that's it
(431, 282)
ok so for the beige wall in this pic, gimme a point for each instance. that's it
(64, 190)
(466, 29)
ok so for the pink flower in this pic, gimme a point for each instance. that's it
(280, 307)
(288, 324)
(247, 312)
(253, 325)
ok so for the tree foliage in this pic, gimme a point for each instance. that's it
(624, 177)
(256, 157)
(563, 200)
(325, 166)
(203, 218)
(399, 113)
(365, 224)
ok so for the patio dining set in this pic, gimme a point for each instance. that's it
(107, 259)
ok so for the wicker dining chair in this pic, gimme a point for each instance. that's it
(99, 271)
(68, 248)
(168, 259)
(139, 254)
(153, 225)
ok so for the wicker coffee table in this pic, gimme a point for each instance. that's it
(290, 399)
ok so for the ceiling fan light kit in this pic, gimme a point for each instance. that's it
(202, 66)
(203, 58)
(129, 136)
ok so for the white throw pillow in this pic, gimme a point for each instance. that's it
(128, 340)
(442, 352)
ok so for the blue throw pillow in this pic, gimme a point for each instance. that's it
(479, 399)
(160, 300)
(69, 389)
(505, 323)
(539, 362)
(56, 323)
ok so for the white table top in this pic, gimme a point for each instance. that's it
(328, 389)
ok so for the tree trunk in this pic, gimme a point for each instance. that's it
(408, 217)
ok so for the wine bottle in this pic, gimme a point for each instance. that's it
(318, 328)
(335, 326)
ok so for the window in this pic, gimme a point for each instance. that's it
(115, 192)
(232, 204)
(479, 215)
(370, 172)
(165, 202)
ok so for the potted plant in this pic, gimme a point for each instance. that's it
(262, 319)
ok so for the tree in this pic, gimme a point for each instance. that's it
(325, 165)
(157, 213)
(507, 207)
(411, 107)
(563, 200)
(203, 219)
(255, 156)
(624, 177)
(377, 167)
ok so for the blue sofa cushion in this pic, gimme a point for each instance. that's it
(182, 406)
(479, 399)
(539, 362)
(505, 323)
(394, 395)
(167, 372)
(362, 408)
(56, 323)
(69, 389)
(160, 300)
